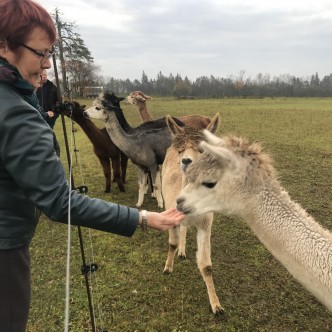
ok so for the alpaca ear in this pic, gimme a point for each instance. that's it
(225, 156)
(147, 97)
(214, 124)
(140, 98)
(211, 138)
(172, 126)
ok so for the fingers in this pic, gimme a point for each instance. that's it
(165, 220)
(174, 216)
(178, 216)
(172, 212)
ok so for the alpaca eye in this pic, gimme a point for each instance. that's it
(98, 108)
(209, 185)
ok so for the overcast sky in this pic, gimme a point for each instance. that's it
(204, 37)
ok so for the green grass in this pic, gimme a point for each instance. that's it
(130, 291)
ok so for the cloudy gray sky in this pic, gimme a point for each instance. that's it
(204, 37)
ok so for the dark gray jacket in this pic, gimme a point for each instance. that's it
(47, 95)
(32, 178)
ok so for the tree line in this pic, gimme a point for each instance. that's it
(219, 87)
(79, 71)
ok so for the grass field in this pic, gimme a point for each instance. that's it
(129, 289)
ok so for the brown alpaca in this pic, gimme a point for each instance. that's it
(138, 98)
(103, 147)
(183, 151)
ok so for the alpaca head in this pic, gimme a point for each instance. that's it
(73, 110)
(226, 176)
(110, 99)
(106, 102)
(185, 140)
(137, 96)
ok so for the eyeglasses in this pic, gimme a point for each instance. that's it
(45, 56)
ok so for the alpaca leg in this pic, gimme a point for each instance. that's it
(205, 266)
(157, 189)
(124, 164)
(151, 179)
(151, 185)
(117, 173)
(105, 164)
(173, 243)
(148, 180)
(141, 186)
(182, 243)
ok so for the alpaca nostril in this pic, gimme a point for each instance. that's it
(186, 161)
(180, 200)
(180, 205)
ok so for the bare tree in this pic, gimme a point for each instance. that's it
(82, 74)
(70, 47)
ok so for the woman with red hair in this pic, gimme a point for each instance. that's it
(32, 178)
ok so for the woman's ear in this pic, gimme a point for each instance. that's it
(3, 47)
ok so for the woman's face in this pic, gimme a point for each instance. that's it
(29, 64)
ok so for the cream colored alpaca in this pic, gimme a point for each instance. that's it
(139, 99)
(237, 178)
(183, 151)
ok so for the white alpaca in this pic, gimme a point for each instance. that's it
(237, 178)
(183, 151)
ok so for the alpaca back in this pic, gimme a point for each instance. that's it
(139, 99)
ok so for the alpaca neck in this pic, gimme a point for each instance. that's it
(143, 112)
(90, 129)
(296, 240)
(121, 118)
(118, 134)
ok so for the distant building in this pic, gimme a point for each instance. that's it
(92, 91)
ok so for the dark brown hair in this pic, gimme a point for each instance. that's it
(18, 18)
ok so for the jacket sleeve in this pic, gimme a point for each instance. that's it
(53, 96)
(43, 113)
(27, 152)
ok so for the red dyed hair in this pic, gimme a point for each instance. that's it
(18, 18)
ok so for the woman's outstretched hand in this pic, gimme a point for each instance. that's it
(162, 221)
